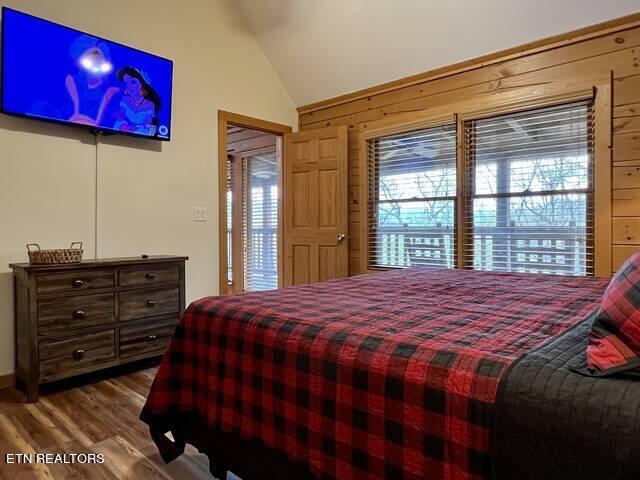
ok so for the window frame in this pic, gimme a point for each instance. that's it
(373, 134)
(470, 194)
(376, 194)
(598, 92)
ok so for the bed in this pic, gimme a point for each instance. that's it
(389, 375)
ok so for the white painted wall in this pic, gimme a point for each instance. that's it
(146, 190)
(324, 48)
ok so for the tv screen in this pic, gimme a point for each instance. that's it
(55, 73)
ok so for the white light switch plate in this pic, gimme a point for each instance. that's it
(199, 214)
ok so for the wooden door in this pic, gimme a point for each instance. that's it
(315, 207)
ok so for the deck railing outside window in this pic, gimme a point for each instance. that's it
(563, 252)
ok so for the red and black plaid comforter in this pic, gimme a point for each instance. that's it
(391, 375)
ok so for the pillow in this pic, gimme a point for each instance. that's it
(614, 341)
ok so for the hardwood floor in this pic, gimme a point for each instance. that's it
(99, 417)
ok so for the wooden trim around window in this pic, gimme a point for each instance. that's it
(461, 204)
(602, 173)
(224, 119)
(598, 89)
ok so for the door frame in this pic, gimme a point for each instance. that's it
(224, 120)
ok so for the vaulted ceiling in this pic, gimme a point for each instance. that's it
(324, 48)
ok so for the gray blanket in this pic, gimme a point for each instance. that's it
(553, 423)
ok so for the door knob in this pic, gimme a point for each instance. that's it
(340, 237)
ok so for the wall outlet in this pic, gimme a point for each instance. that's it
(199, 214)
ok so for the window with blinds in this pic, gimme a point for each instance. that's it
(412, 198)
(229, 219)
(529, 191)
(260, 212)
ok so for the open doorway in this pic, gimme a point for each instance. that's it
(250, 154)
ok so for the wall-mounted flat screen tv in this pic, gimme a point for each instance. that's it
(55, 73)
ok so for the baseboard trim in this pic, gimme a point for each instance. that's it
(7, 381)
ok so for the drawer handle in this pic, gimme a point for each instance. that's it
(78, 354)
(151, 303)
(79, 315)
(151, 276)
(77, 283)
(152, 338)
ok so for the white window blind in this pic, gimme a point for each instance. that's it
(412, 198)
(261, 222)
(529, 191)
(229, 219)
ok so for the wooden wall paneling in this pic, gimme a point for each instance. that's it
(626, 202)
(623, 111)
(530, 84)
(628, 124)
(626, 231)
(626, 177)
(620, 253)
(627, 88)
(626, 166)
(523, 74)
(626, 146)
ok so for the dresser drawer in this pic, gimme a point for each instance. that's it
(78, 311)
(149, 275)
(74, 281)
(150, 302)
(57, 357)
(146, 340)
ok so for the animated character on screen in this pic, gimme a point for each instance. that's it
(90, 88)
(139, 104)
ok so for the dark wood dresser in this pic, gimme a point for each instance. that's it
(77, 318)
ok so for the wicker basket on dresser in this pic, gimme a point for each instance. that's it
(77, 318)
